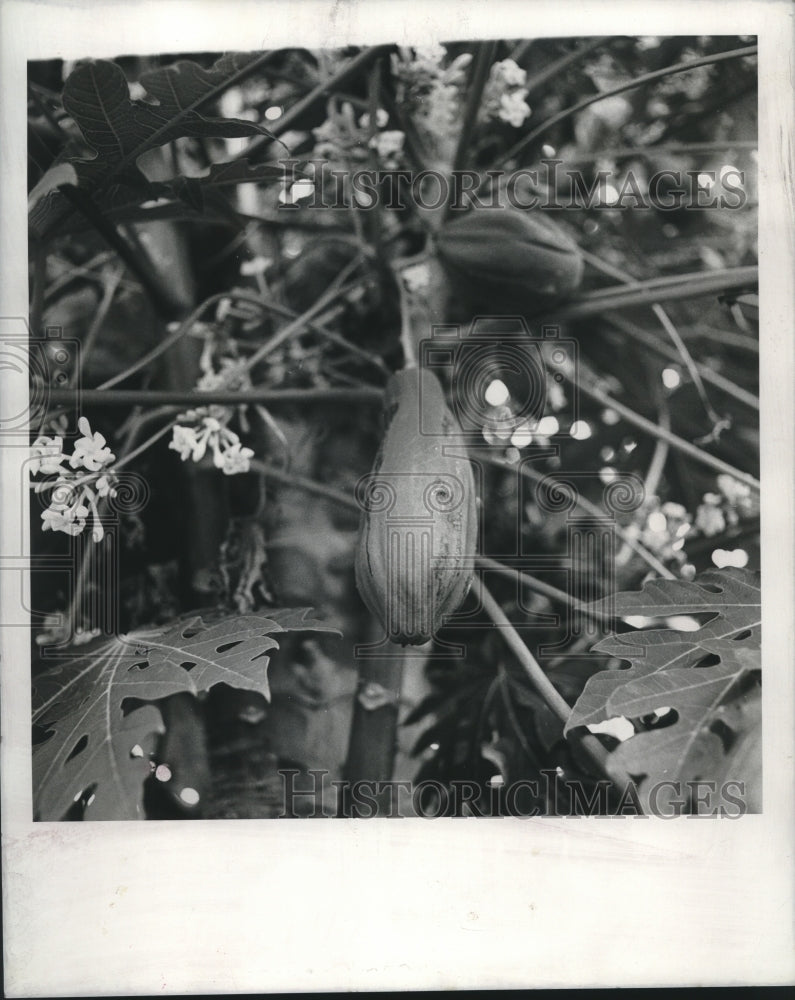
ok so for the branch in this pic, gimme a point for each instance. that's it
(537, 677)
(694, 452)
(288, 119)
(162, 299)
(682, 286)
(639, 81)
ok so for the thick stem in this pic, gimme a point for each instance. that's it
(373, 737)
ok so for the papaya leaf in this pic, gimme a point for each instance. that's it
(677, 671)
(96, 713)
(718, 728)
(733, 634)
(119, 130)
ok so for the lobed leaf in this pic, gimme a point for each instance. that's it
(96, 713)
(119, 130)
(668, 671)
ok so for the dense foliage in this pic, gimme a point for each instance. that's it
(231, 226)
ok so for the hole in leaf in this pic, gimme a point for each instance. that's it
(710, 660)
(227, 645)
(188, 665)
(745, 634)
(141, 665)
(41, 734)
(669, 717)
(79, 747)
(724, 734)
(712, 588)
(190, 796)
(129, 705)
(76, 812)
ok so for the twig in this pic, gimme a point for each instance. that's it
(222, 397)
(590, 508)
(639, 81)
(111, 287)
(532, 668)
(660, 455)
(502, 684)
(288, 119)
(183, 328)
(623, 152)
(310, 485)
(694, 452)
(335, 290)
(655, 344)
(537, 677)
(559, 65)
(143, 447)
(323, 331)
(670, 329)
(480, 74)
(546, 589)
(160, 294)
(683, 286)
(673, 333)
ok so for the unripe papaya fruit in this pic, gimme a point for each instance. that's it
(416, 547)
(510, 256)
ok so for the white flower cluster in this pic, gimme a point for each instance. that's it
(389, 146)
(505, 94)
(663, 531)
(431, 93)
(722, 510)
(76, 487)
(342, 138)
(205, 428)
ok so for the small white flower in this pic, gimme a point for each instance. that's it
(47, 456)
(509, 72)
(734, 491)
(236, 459)
(513, 109)
(387, 144)
(710, 520)
(381, 118)
(183, 440)
(104, 487)
(90, 451)
(674, 510)
(66, 520)
(432, 54)
(416, 277)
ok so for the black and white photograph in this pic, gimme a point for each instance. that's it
(394, 432)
